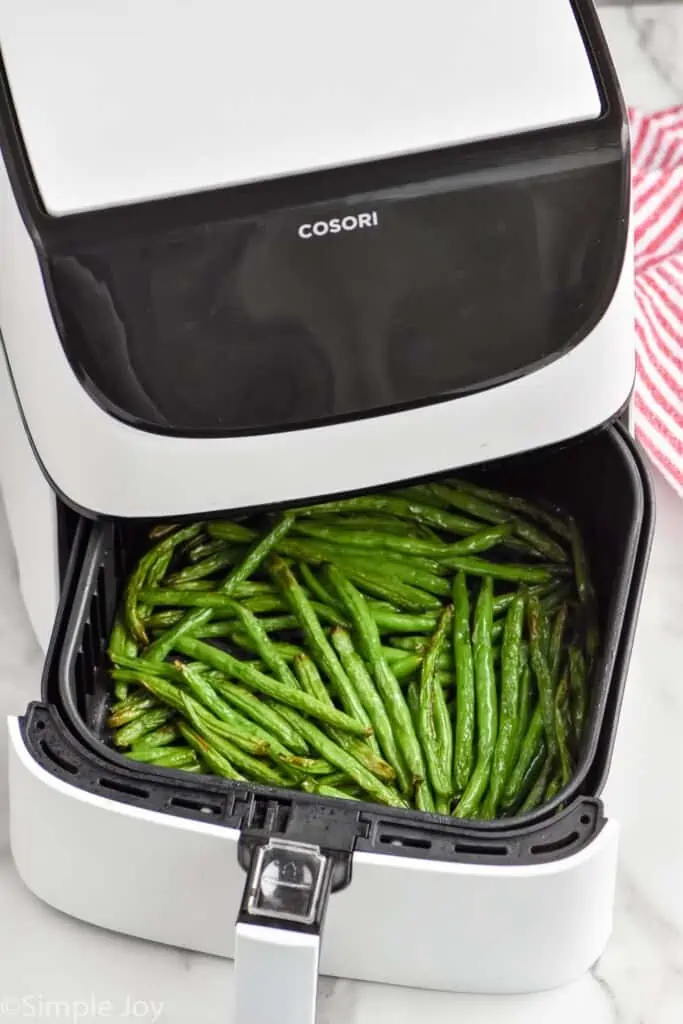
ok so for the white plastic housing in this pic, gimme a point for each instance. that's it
(112, 469)
(31, 510)
(404, 921)
(217, 94)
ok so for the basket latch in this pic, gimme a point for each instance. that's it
(278, 931)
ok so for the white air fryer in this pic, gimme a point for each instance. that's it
(266, 253)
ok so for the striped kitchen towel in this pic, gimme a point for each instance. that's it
(657, 155)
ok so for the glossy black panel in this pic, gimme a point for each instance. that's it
(247, 326)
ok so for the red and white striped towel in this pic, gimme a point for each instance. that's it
(657, 155)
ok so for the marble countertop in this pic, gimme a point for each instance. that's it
(49, 958)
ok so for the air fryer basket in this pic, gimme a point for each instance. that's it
(600, 479)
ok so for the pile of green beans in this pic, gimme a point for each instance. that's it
(430, 648)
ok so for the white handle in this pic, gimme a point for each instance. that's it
(276, 975)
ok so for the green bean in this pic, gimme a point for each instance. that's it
(196, 586)
(287, 651)
(309, 677)
(335, 543)
(509, 702)
(515, 573)
(279, 623)
(119, 641)
(405, 668)
(402, 508)
(531, 777)
(268, 652)
(365, 551)
(333, 753)
(421, 493)
(257, 554)
(163, 620)
(319, 645)
(402, 595)
(316, 587)
(218, 764)
(555, 644)
(236, 533)
(207, 599)
(251, 738)
(206, 567)
(201, 549)
(260, 714)
(497, 630)
(533, 739)
(478, 543)
(265, 745)
(502, 602)
(553, 788)
(435, 726)
(395, 656)
(255, 711)
(585, 590)
(261, 683)
(164, 757)
(331, 792)
(413, 701)
(523, 717)
(562, 729)
(162, 530)
(424, 555)
(522, 505)
(464, 759)
(128, 734)
(250, 742)
(536, 795)
(579, 693)
(162, 647)
(544, 682)
(158, 568)
(128, 710)
(444, 679)
(254, 767)
(395, 653)
(532, 535)
(141, 573)
(365, 688)
(134, 670)
(486, 707)
(413, 644)
(409, 573)
(385, 681)
(160, 737)
(381, 523)
(400, 622)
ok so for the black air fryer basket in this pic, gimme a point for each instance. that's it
(600, 479)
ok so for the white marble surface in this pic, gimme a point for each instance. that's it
(46, 957)
(647, 45)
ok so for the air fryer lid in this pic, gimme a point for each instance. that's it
(298, 253)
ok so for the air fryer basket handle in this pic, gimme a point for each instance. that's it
(276, 975)
(277, 942)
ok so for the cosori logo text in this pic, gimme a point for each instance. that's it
(335, 226)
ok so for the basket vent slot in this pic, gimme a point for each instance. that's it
(556, 845)
(124, 787)
(188, 804)
(411, 842)
(58, 758)
(481, 849)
